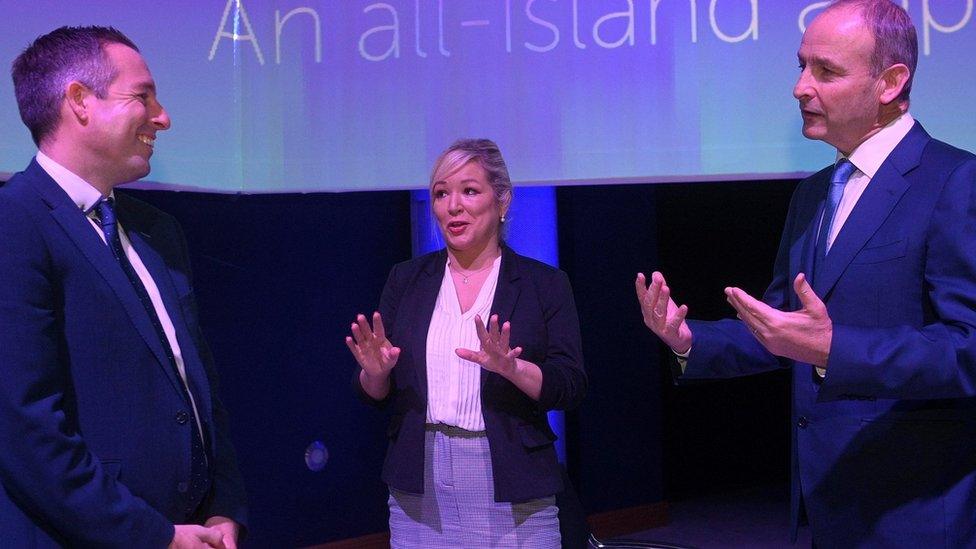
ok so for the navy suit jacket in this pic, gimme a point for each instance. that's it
(884, 447)
(95, 429)
(538, 301)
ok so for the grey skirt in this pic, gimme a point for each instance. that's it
(458, 507)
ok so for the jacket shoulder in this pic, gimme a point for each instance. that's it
(942, 153)
(534, 267)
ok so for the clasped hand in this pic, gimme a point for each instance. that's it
(495, 354)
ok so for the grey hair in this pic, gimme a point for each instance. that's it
(895, 38)
(42, 72)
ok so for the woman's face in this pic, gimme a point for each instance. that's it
(466, 209)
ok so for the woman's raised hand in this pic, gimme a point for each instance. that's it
(372, 350)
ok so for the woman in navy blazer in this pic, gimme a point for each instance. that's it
(525, 361)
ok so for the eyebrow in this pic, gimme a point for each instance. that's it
(468, 180)
(147, 85)
(815, 58)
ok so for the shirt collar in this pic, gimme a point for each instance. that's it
(81, 192)
(869, 156)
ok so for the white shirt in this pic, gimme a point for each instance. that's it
(85, 196)
(454, 384)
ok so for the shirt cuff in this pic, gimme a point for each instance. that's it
(682, 358)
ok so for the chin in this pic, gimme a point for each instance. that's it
(139, 171)
(814, 133)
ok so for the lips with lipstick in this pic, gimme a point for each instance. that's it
(457, 227)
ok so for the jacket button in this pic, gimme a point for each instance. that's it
(802, 422)
(182, 487)
(182, 417)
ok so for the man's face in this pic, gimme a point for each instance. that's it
(124, 123)
(839, 98)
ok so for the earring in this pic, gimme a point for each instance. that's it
(502, 219)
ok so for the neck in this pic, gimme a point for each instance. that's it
(68, 156)
(885, 117)
(473, 260)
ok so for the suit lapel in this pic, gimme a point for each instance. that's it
(154, 263)
(872, 209)
(503, 303)
(506, 291)
(805, 247)
(428, 285)
(77, 227)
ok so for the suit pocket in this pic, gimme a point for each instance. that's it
(879, 254)
(536, 436)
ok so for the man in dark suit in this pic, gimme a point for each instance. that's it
(872, 303)
(113, 435)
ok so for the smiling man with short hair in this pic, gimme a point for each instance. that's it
(113, 432)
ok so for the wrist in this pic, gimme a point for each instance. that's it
(513, 369)
(376, 381)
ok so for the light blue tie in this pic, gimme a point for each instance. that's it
(842, 172)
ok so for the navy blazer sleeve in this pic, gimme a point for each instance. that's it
(49, 469)
(563, 378)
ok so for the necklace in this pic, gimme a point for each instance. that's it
(465, 277)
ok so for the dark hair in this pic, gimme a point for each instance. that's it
(45, 68)
(895, 39)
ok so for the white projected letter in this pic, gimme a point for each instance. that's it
(240, 16)
(508, 26)
(692, 7)
(394, 48)
(280, 24)
(929, 22)
(576, 40)
(416, 29)
(440, 29)
(542, 22)
(628, 35)
(753, 24)
(801, 21)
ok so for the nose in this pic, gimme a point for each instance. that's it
(454, 203)
(160, 118)
(802, 88)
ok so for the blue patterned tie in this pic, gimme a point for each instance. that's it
(194, 491)
(842, 172)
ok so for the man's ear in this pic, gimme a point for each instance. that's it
(77, 96)
(893, 81)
